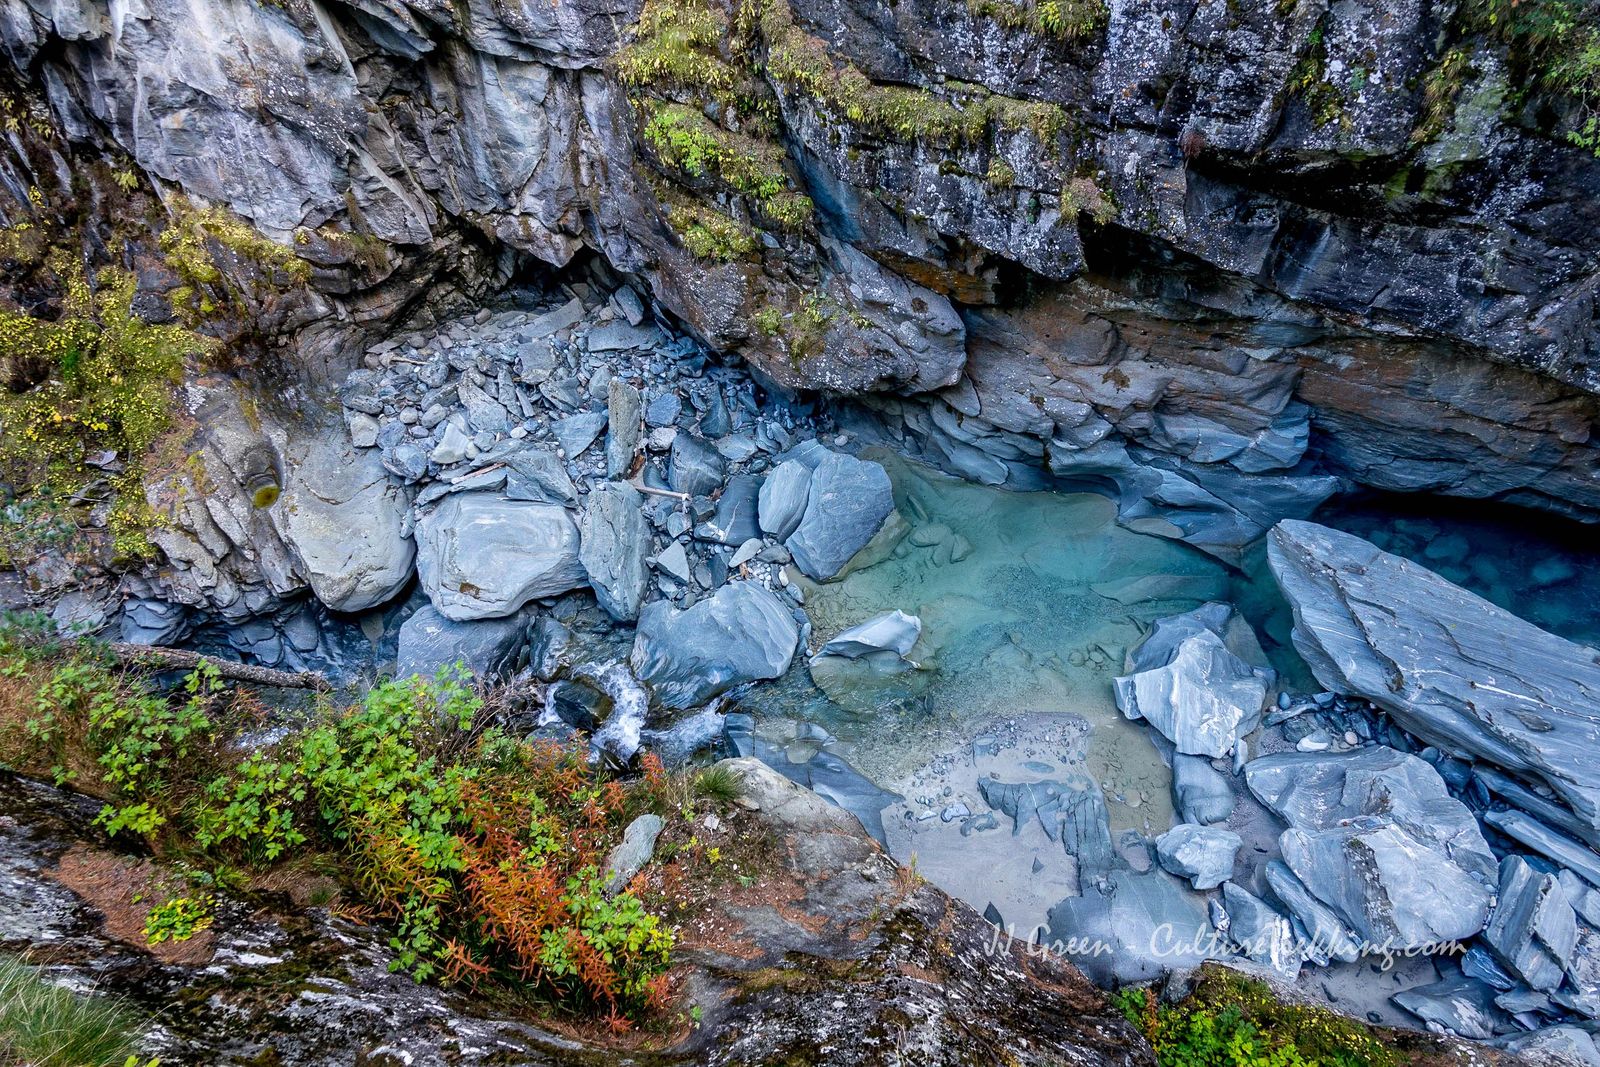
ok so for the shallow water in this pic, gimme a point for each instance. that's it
(1540, 567)
(1029, 603)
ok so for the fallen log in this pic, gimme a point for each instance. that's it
(182, 659)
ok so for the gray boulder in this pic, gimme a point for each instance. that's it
(1204, 855)
(534, 474)
(1322, 790)
(622, 416)
(488, 647)
(783, 498)
(734, 522)
(1322, 933)
(614, 548)
(1200, 793)
(576, 433)
(1377, 839)
(1554, 1046)
(1387, 885)
(1533, 930)
(345, 522)
(847, 503)
(635, 850)
(481, 557)
(693, 466)
(1458, 1005)
(1452, 668)
(893, 631)
(1261, 933)
(1529, 831)
(740, 634)
(1133, 927)
(1203, 699)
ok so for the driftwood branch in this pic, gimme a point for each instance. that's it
(181, 659)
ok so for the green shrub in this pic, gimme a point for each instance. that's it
(46, 1025)
(482, 850)
(718, 783)
(1233, 1021)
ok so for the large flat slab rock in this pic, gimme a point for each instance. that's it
(1452, 668)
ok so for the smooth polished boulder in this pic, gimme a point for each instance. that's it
(741, 634)
(483, 557)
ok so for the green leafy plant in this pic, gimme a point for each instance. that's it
(1233, 1021)
(179, 918)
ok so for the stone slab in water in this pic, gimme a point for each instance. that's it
(893, 631)
(1452, 668)
(481, 557)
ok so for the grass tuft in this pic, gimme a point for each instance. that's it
(46, 1025)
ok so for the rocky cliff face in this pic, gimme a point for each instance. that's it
(1209, 256)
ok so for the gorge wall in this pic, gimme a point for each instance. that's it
(1217, 258)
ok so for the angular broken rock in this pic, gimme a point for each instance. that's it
(847, 503)
(1386, 884)
(893, 631)
(1533, 930)
(1203, 699)
(629, 857)
(1262, 934)
(1450, 667)
(1316, 791)
(1204, 855)
(615, 548)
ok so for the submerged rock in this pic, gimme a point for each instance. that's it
(740, 634)
(481, 557)
(1452, 668)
